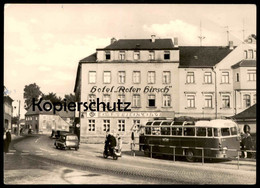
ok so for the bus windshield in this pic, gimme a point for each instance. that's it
(225, 132)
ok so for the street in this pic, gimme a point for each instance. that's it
(34, 160)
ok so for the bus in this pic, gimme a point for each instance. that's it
(213, 138)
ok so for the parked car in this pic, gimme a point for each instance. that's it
(58, 133)
(67, 140)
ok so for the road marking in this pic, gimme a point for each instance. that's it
(53, 154)
(36, 140)
(25, 151)
(12, 151)
(39, 154)
(9, 153)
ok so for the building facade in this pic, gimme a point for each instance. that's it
(7, 112)
(161, 79)
(43, 122)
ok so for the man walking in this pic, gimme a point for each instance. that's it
(7, 140)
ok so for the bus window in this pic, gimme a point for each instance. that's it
(233, 130)
(209, 131)
(165, 130)
(147, 130)
(225, 132)
(166, 123)
(178, 123)
(201, 131)
(189, 131)
(156, 131)
(216, 132)
(157, 123)
(177, 131)
(149, 123)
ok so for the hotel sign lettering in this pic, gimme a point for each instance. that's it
(125, 114)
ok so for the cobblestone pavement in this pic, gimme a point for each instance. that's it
(128, 168)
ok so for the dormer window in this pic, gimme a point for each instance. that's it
(250, 54)
(136, 55)
(108, 56)
(122, 55)
(151, 55)
(166, 55)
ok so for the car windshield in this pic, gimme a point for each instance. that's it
(72, 137)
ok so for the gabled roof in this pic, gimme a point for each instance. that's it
(37, 111)
(140, 44)
(245, 63)
(202, 56)
(91, 58)
(249, 113)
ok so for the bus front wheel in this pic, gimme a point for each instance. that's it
(190, 156)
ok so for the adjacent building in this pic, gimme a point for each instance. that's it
(43, 122)
(161, 79)
(8, 109)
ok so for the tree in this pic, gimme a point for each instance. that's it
(70, 98)
(31, 91)
(52, 97)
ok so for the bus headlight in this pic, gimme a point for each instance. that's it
(224, 149)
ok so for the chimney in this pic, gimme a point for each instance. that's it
(175, 42)
(231, 46)
(153, 38)
(113, 40)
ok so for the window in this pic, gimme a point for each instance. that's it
(136, 77)
(136, 55)
(233, 130)
(191, 101)
(189, 131)
(136, 122)
(216, 132)
(166, 55)
(225, 101)
(237, 77)
(225, 132)
(91, 125)
(254, 54)
(245, 54)
(151, 100)
(177, 131)
(247, 100)
(36, 118)
(166, 100)
(209, 131)
(122, 55)
(121, 125)
(190, 77)
(107, 55)
(207, 78)
(208, 101)
(166, 77)
(107, 77)
(251, 75)
(201, 131)
(165, 130)
(148, 130)
(254, 99)
(92, 98)
(121, 97)
(92, 77)
(106, 125)
(151, 77)
(136, 101)
(151, 55)
(225, 77)
(106, 98)
(250, 54)
(121, 77)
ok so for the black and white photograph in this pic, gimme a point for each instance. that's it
(129, 94)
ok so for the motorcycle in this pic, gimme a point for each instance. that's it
(115, 153)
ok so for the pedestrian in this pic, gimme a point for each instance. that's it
(107, 141)
(246, 141)
(5, 141)
(119, 143)
(8, 140)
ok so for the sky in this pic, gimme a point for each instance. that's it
(43, 43)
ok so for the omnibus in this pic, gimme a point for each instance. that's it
(217, 138)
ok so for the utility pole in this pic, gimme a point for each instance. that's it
(216, 99)
(201, 37)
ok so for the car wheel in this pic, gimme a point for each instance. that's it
(57, 147)
(190, 156)
(76, 148)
